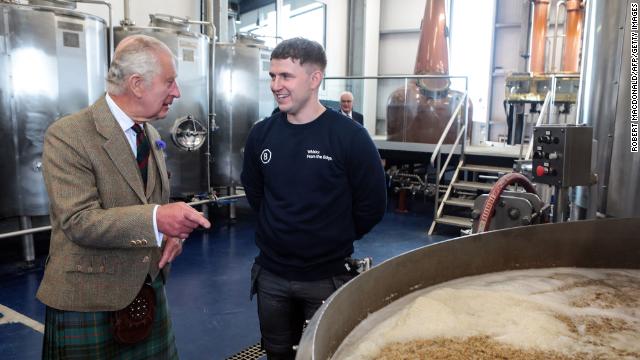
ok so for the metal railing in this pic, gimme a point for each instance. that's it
(545, 112)
(360, 80)
(385, 77)
(436, 157)
(461, 128)
(541, 117)
(436, 151)
(212, 199)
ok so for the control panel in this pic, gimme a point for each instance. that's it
(562, 155)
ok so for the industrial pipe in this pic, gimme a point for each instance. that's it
(108, 5)
(539, 36)
(494, 196)
(573, 30)
(552, 64)
(574, 10)
(127, 15)
(208, 7)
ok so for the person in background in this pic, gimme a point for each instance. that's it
(316, 181)
(113, 231)
(346, 108)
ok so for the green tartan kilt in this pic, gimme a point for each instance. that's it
(88, 335)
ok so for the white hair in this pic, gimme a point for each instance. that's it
(136, 54)
(346, 93)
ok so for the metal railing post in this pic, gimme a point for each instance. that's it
(435, 204)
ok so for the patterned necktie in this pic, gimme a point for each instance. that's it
(143, 149)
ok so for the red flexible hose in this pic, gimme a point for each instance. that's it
(494, 195)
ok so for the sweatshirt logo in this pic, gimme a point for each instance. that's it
(315, 154)
(265, 156)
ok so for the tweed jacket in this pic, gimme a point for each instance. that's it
(102, 239)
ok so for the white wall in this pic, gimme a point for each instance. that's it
(337, 19)
(405, 14)
(506, 52)
(371, 63)
(471, 50)
(398, 50)
(398, 54)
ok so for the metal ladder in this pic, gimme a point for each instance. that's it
(457, 185)
(473, 188)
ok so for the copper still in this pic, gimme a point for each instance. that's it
(420, 112)
(539, 36)
(573, 39)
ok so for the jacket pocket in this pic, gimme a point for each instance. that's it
(91, 264)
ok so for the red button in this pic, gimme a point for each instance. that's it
(541, 170)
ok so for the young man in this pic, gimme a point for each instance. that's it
(113, 232)
(346, 108)
(315, 178)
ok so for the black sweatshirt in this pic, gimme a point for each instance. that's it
(317, 187)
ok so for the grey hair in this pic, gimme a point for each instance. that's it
(136, 54)
(346, 93)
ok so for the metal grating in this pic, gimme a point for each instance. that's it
(253, 352)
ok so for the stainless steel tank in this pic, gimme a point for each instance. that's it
(610, 243)
(243, 97)
(187, 167)
(53, 62)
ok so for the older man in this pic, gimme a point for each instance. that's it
(346, 108)
(111, 236)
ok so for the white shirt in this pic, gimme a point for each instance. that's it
(126, 123)
(347, 114)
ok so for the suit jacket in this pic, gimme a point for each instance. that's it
(356, 116)
(102, 239)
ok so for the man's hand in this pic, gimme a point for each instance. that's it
(172, 249)
(179, 219)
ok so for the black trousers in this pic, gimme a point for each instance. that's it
(284, 305)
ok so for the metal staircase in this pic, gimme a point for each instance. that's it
(464, 186)
(461, 193)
